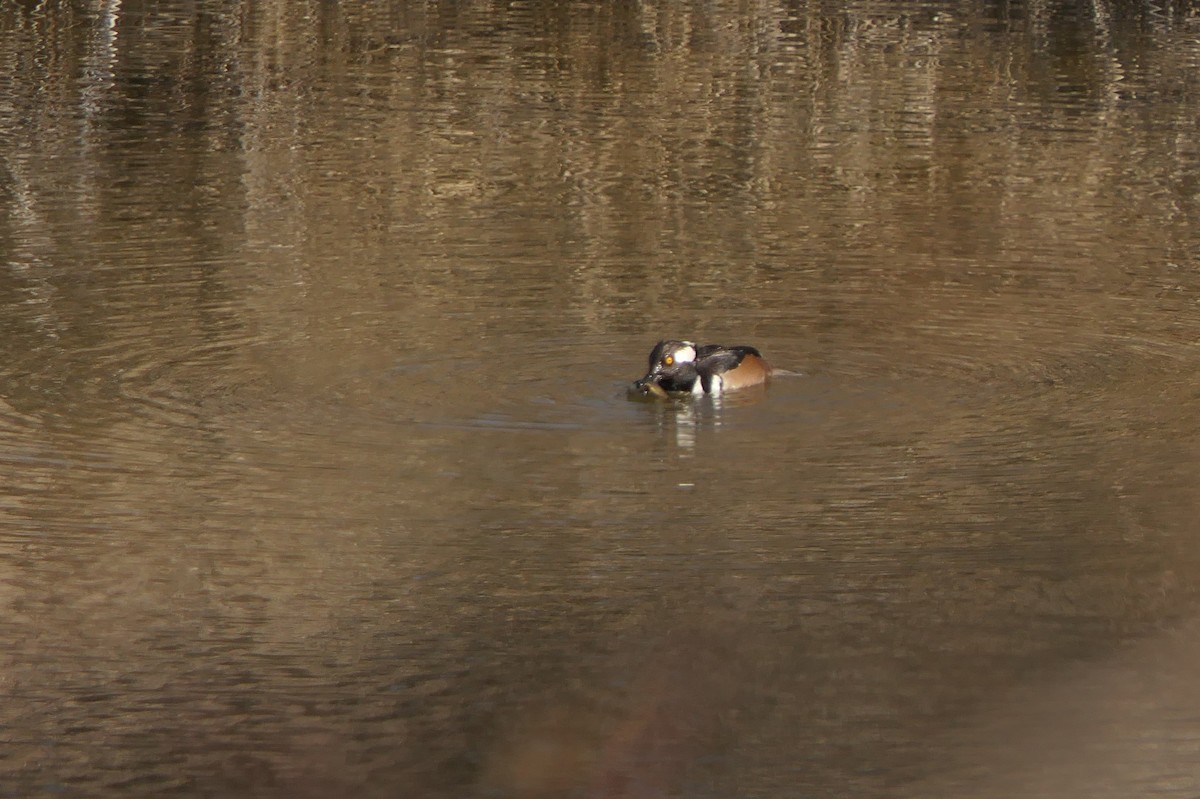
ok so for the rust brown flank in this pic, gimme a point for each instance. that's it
(750, 372)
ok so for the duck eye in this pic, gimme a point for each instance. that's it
(670, 359)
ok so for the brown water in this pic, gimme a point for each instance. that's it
(320, 479)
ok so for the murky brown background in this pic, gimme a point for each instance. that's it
(318, 475)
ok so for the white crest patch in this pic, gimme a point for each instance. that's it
(685, 354)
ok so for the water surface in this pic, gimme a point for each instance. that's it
(320, 475)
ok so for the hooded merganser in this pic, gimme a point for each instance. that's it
(680, 367)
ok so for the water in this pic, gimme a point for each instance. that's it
(321, 480)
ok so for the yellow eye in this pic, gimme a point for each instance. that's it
(669, 360)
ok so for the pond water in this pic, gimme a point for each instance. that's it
(320, 475)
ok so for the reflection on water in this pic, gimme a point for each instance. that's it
(321, 478)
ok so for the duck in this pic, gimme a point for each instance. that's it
(681, 368)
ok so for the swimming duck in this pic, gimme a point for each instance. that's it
(681, 367)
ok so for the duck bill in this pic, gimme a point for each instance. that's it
(647, 387)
